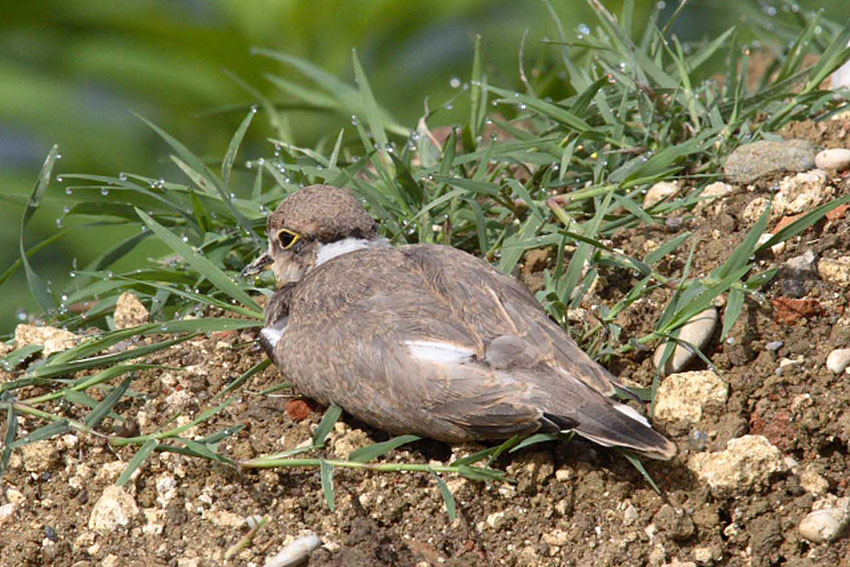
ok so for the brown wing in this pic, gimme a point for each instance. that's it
(493, 304)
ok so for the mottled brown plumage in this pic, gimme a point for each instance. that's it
(428, 339)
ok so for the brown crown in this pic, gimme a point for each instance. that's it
(324, 213)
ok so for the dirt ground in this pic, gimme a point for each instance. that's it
(574, 503)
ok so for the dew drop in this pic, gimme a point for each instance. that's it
(68, 191)
(454, 82)
(122, 176)
(60, 179)
(254, 109)
(104, 191)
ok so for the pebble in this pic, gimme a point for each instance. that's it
(496, 520)
(835, 270)
(296, 552)
(746, 462)
(697, 331)
(682, 397)
(53, 339)
(812, 482)
(6, 511)
(798, 275)
(113, 510)
(751, 161)
(129, 311)
(802, 192)
(659, 192)
(774, 346)
(824, 526)
(837, 159)
(630, 515)
(838, 360)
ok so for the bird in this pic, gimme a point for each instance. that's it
(426, 339)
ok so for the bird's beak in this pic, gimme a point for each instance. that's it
(257, 265)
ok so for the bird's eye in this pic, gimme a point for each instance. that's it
(287, 238)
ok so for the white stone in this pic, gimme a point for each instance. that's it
(166, 489)
(630, 515)
(496, 520)
(15, 496)
(296, 552)
(823, 526)
(835, 270)
(838, 360)
(113, 510)
(717, 190)
(801, 192)
(682, 397)
(746, 462)
(837, 159)
(6, 511)
(659, 192)
(697, 332)
(53, 339)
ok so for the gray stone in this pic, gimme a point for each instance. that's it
(697, 332)
(798, 275)
(751, 161)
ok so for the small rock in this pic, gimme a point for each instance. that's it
(838, 360)
(802, 192)
(837, 159)
(659, 192)
(754, 210)
(296, 552)
(824, 526)
(774, 346)
(789, 310)
(53, 339)
(697, 332)
(751, 161)
(682, 397)
(714, 191)
(835, 270)
(114, 509)
(40, 456)
(6, 512)
(129, 311)
(630, 515)
(798, 275)
(813, 483)
(559, 538)
(837, 213)
(746, 462)
(496, 520)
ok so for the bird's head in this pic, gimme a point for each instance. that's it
(310, 227)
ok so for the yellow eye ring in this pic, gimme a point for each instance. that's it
(287, 238)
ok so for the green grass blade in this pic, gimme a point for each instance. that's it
(370, 105)
(203, 266)
(38, 288)
(372, 452)
(326, 425)
(327, 474)
(233, 148)
(104, 407)
(448, 498)
(137, 460)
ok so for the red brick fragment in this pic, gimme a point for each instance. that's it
(837, 213)
(299, 409)
(789, 310)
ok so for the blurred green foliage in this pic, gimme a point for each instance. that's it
(72, 71)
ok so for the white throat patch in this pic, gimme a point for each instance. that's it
(344, 246)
